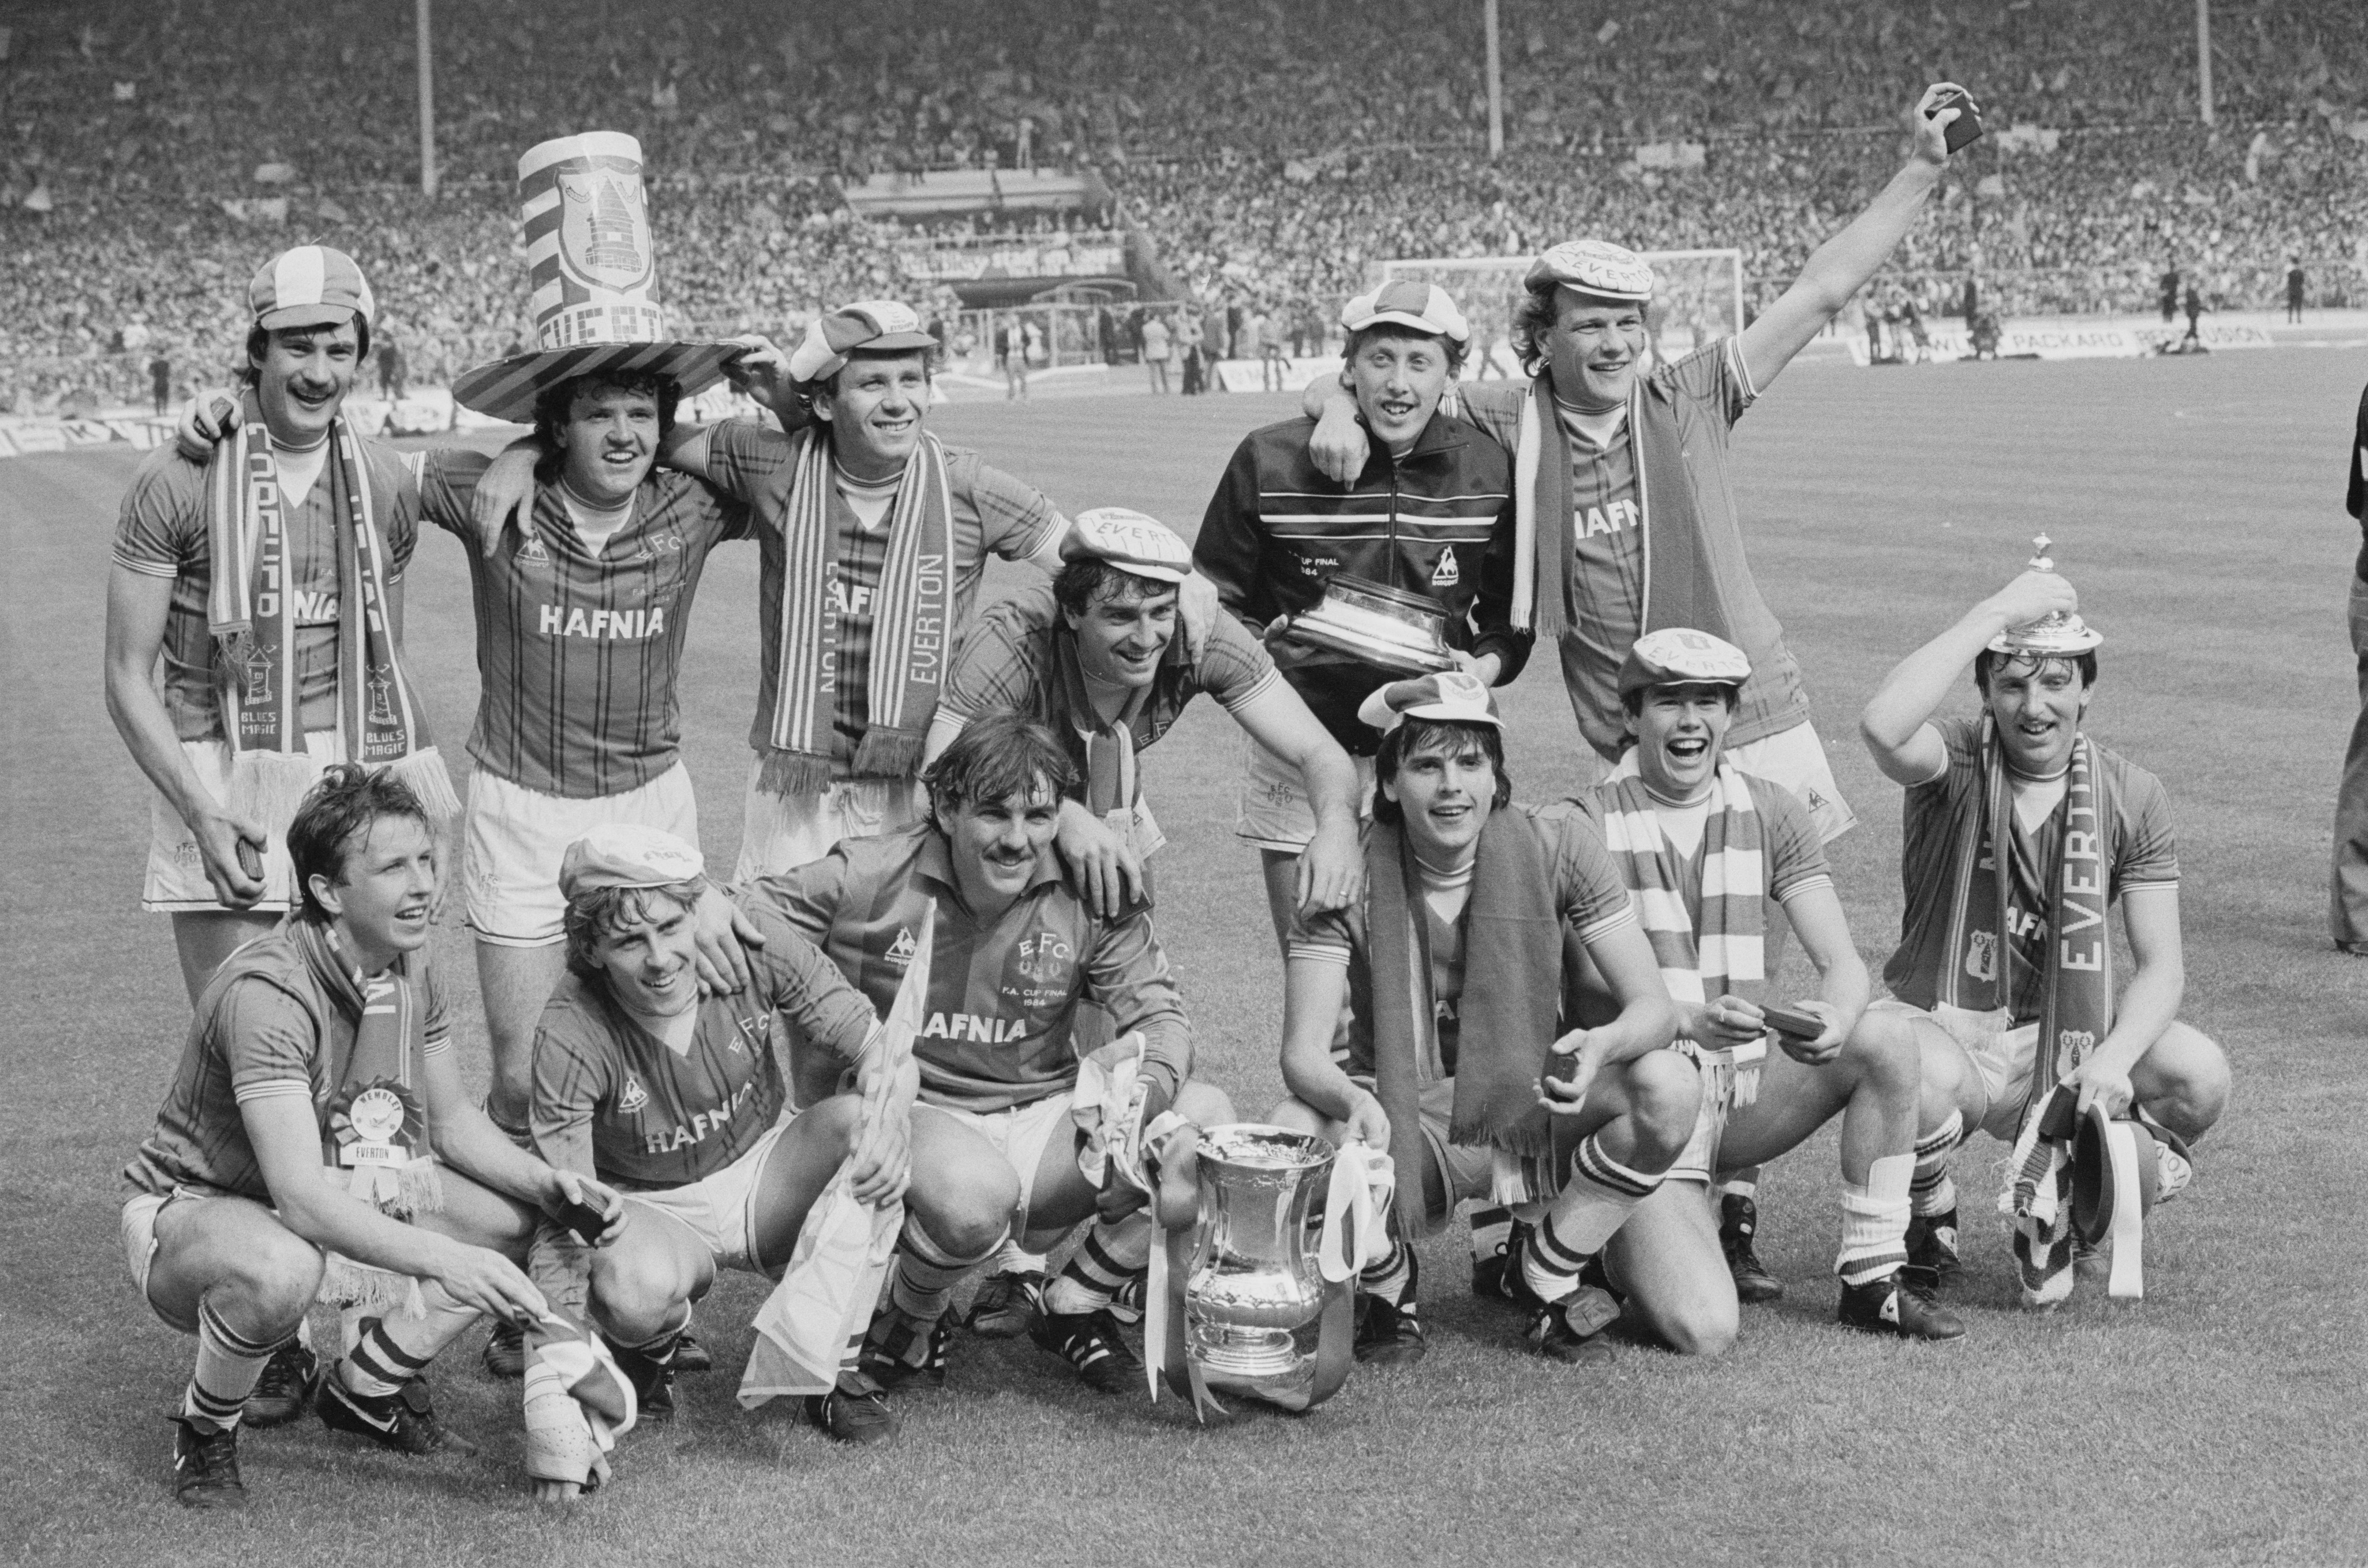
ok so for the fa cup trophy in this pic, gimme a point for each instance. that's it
(1257, 1296)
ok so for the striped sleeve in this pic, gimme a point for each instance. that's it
(1714, 376)
(570, 1082)
(268, 1039)
(1795, 856)
(447, 485)
(160, 526)
(1015, 520)
(437, 1023)
(1589, 893)
(1234, 668)
(744, 457)
(1128, 974)
(1495, 408)
(1325, 938)
(807, 989)
(2147, 855)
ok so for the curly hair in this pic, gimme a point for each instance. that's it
(1000, 755)
(555, 405)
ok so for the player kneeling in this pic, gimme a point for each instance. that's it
(1454, 961)
(1706, 849)
(2019, 830)
(317, 1142)
(679, 1102)
(999, 1144)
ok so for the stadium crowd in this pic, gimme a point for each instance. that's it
(1269, 155)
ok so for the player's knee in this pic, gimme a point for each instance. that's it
(1705, 1326)
(1948, 1083)
(1883, 1051)
(1203, 1105)
(967, 1217)
(1664, 1090)
(834, 1122)
(277, 1278)
(636, 1287)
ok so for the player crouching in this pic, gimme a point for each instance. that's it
(1706, 849)
(999, 1140)
(679, 1102)
(317, 1142)
(1454, 961)
(2018, 833)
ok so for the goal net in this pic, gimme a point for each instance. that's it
(1697, 297)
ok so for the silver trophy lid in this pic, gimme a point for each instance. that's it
(2058, 635)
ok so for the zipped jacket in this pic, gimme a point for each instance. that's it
(1436, 522)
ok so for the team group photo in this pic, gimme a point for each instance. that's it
(612, 963)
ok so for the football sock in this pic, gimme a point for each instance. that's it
(397, 1349)
(659, 1346)
(1593, 1205)
(1389, 1276)
(1491, 1229)
(1013, 1258)
(925, 1274)
(1874, 1221)
(1112, 1253)
(1930, 1191)
(1747, 1189)
(229, 1365)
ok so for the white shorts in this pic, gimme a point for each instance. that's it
(1020, 1134)
(2005, 1058)
(515, 838)
(1796, 759)
(721, 1210)
(176, 870)
(1272, 809)
(779, 834)
(139, 1229)
(1698, 1161)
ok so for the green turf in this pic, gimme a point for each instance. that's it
(2195, 504)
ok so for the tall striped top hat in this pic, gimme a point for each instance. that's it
(595, 281)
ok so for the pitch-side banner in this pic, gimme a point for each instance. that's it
(2040, 340)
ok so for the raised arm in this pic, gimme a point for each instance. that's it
(1896, 722)
(1841, 267)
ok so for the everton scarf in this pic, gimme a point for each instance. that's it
(1513, 996)
(2076, 994)
(1725, 954)
(911, 624)
(250, 612)
(1678, 589)
(374, 1136)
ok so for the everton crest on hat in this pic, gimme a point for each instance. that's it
(594, 275)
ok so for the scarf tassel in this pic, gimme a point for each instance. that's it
(792, 773)
(888, 754)
(372, 1292)
(1747, 1087)
(266, 787)
(425, 772)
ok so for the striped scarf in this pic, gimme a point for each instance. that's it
(1725, 954)
(911, 624)
(374, 1137)
(1512, 996)
(1678, 587)
(2076, 996)
(249, 613)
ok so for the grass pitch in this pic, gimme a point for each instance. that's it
(2196, 506)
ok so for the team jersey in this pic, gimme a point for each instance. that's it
(613, 1100)
(1003, 991)
(2141, 850)
(577, 652)
(1436, 522)
(992, 512)
(161, 533)
(1587, 891)
(285, 1030)
(1022, 655)
(1711, 387)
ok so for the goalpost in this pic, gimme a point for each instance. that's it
(1697, 297)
